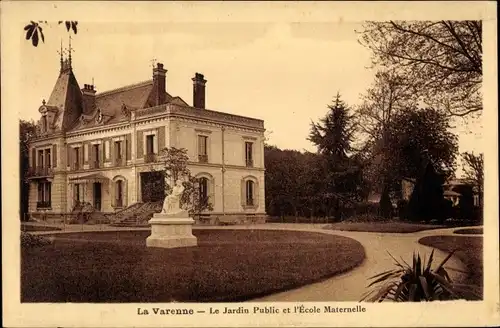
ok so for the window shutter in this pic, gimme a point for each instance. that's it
(101, 151)
(112, 151)
(33, 157)
(128, 147)
(140, 146)
(243, 193)
(256, 190)
(211, 192)
(86, 149)
(113, 193)
(81, 156)
(124, 191)
(161, 139)
(54, 155)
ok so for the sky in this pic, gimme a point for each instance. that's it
(285, 73)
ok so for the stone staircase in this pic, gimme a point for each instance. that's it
(137, 214)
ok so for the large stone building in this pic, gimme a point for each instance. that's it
(103, 148)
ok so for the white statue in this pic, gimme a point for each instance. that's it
(171, 204)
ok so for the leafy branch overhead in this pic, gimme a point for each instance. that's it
(34, 30)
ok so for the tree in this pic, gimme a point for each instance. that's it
(334, 132)
(176, 168)
(34, 30)
(473, 166)
(416, 136)
(441, 60)
(388, 95)
(333, 136)
(27, 130)
(427, 201)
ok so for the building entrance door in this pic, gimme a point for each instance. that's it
(97, 195)
(152, 186)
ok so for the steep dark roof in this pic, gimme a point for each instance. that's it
(67, 97)
(111, 103)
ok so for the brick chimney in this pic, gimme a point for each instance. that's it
(88, 98)
(159, 84)
(199, 91)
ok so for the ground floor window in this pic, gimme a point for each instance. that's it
(44, 194)
(250, 192)
(203, 190)
(119, 193)
(76, 193)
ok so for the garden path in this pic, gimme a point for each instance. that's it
(351, 285)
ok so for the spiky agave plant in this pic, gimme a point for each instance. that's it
(414, 283)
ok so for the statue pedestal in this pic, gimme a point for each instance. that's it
(171, 231)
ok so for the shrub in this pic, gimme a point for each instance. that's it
(415, 283)
(29, 240)
(402, 208)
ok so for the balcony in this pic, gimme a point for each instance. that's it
(150, 158)
(249, 162)
(43, 204)
(203, 158)
(40, 172)
(119, 161)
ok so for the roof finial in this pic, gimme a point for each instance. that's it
(70, 50)
(153, 62)
(61, 53)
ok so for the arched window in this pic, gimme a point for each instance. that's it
(250, 193)
(203, 190)
(118, 190)
(119, 193)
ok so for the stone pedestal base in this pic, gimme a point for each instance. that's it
(169, 231)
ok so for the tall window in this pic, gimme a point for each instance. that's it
(40, 158)
(118, 153)
(47, 158)
(249, 192)
(76, 192)
(95, 151)
(202, 149)
(118, 149)
(76, 160)
(150, 144)
(119, 193)
(249, 153)
(44, 194)
(203, 191)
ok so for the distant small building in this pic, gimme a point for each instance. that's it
(458, 189)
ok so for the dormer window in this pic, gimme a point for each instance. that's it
(99, 116)
(44, 123)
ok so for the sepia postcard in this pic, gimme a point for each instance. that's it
(248, 164)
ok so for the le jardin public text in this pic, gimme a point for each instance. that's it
(261, 310)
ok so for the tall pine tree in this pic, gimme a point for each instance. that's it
(333, 136)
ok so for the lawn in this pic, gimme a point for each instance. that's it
(227, 265)
(469, 231)
(28, 227)
(391, 226)
(468, 249)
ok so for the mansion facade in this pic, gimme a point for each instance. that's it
(105, 148)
